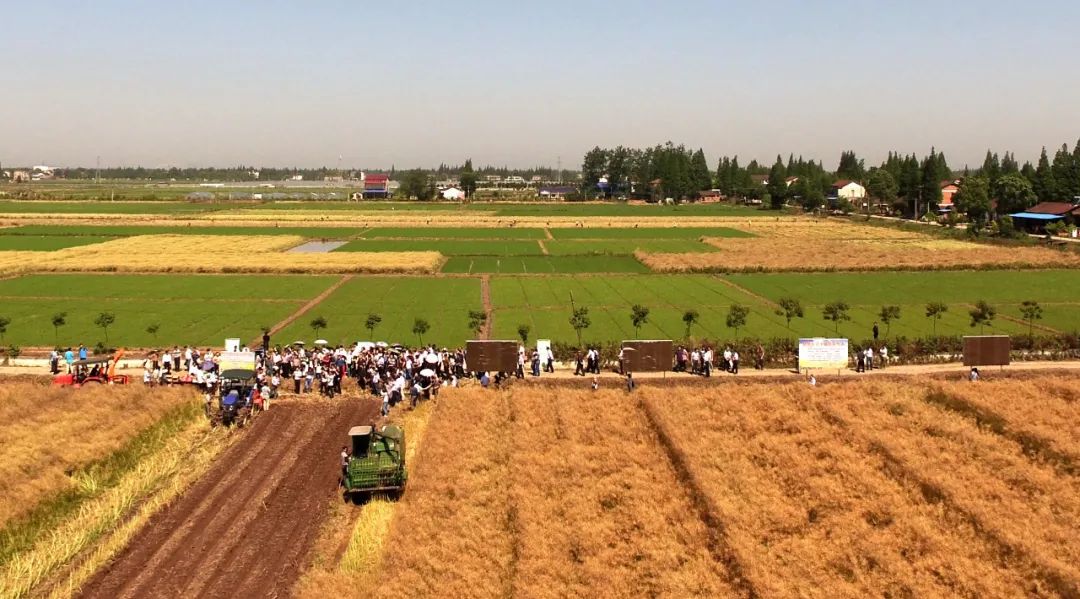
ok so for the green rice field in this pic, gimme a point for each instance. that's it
(204, 309)
(647, 233)
(133, 230)
(200, 310)
(452, 233)
(161, 207)
(447, 247)
(443, 302)
(624, 247)
(518, 265)
(45, 243)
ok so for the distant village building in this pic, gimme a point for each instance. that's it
(20, 177)
(556, 192)
(1035, 219)
(948, 190)
(452, 193)
(376, 186)
(847, 190)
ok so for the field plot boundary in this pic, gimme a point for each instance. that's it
(903, 473)
(719, 545)
(310, 305)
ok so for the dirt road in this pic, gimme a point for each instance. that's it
(244, 529)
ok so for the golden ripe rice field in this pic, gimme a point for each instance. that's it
(853, 489)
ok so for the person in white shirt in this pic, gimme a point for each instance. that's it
(884, 353)
(706, 360)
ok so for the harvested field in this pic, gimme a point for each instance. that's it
(225, 254)
(246, 527)
(867, 488)
(781, 254)
(824, 229)
(49, 433)
(453, 534)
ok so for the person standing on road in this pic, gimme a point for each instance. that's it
(579, 365)
(735, 362)
(884, 353)
(870, 357)
(549, 366)
(82, 352)
(296, 376)
(759, 362)
(875, 331)
(706, 362)
(69, 357)
(344, 463)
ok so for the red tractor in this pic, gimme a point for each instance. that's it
(93, 371)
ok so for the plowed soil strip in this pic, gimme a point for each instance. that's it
(244, 529)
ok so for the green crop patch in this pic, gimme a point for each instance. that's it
(45, 243)
(624, 247)
(544, 304)
(443, 302)
(543, 265)
(89, 207)
(453, 233)
(647, 233)
(447, 247)
(90, 288)
(197, 322)
(613, 209)
(133, 230)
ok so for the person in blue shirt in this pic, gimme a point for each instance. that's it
(82, 352)
(69, 357)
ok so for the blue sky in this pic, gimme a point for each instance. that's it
(419, 83)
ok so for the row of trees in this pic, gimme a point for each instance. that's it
(265, 173)
(982, 315)
(678, 171)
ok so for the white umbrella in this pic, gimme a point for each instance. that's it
(298, 343)
(427, 372)
(321, 342)
(432, 359)
(382, 344)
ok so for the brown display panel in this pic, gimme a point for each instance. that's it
(989, 350)
(491, 356)
(648, 356)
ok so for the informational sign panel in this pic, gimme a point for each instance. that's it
(232, 345)
(648, 356)
(491, 356)
(820, 353)
(987, 350)
(236, 360)
(543, 346)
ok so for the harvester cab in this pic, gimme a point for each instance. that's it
(377, 462)
(234, 406)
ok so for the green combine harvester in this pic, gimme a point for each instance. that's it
(377, 462)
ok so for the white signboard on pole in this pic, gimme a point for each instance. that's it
(823, 353)
(542, 348)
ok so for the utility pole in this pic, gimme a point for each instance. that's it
(97, 174)
(559, 160)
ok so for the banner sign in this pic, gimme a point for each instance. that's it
(822, 353)
(236, 360)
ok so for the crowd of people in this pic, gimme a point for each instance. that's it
(702, 361)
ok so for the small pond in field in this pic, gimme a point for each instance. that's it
(317, 247)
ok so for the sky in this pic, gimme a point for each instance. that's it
(419, 83)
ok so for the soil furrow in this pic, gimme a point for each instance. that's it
(245, 528)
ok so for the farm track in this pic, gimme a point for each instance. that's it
(246, 527)
(305, 308)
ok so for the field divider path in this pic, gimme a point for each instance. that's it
(742, 289)
(1021, 321)
(543, 248)
(719, 546)
(547, 233)
(305, 308)
(900, 470)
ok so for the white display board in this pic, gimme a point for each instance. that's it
(232, 345)
(823, 353)
(542, 348)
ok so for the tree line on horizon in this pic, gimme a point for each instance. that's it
(905, 181)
